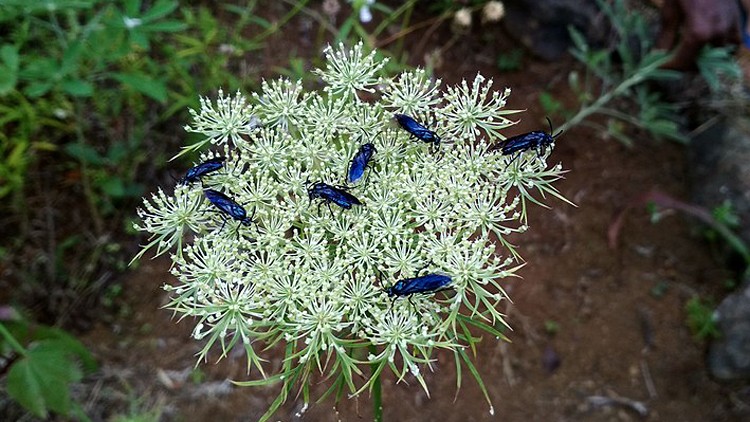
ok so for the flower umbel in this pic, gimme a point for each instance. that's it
(312, 276)
(231, 118)
(350, 71)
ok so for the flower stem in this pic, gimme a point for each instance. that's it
(377, 394)
(637, 77)
(16, 346)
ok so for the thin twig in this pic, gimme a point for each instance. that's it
(601, 401)
(648, 380)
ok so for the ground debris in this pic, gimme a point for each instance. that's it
(602, 401)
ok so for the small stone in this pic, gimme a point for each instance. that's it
(729, 355)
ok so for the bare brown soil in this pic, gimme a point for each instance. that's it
(615, 337)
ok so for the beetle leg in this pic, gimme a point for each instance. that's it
(514, 159)
(392, 302)
(367, 177)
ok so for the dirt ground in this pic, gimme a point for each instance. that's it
(614, 336)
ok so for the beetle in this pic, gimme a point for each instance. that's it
(202, 169)
(417, 130)
(426, 284)
(336, 194)
(229, 207)
(537, 140)
(359, 163)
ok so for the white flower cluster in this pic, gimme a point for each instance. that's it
(313, 279)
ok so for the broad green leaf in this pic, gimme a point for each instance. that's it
(8, 68)
(133, 190)
(139, 38)
(40, 380)
(68, 343)
(119, 151)
(8, 80)
(113, 186)
(71, 58)
(77, 88)
(143, 84)
(132, 7)
(37, 89)
(9, 56)
(84, 153)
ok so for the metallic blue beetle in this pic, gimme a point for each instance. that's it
(360, 161)
(536, 140)
(328, 193)
(202, 169)
(229, 207)
(426, 284)
(417, 130)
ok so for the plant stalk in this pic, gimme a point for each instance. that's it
(16, 346)
(638, 77)
(377, 392)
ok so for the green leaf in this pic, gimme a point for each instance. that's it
(549, 103)
(40, 380)
(37, 89)
(77, 88)
(84, 153)
(132, 7)
(118, 152)
(8, 80)
(578, 39)
(486, 327)
(70, 58)
(113, 186)
(133, 189)
(165, 26)
(143, 84)
(139, 38)
(266, 381)
(477, 377)
(9, 56)
(161, 8)
(68, 343)
(9, 68)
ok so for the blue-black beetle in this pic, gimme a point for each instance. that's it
(202, 169)
(417, 130)
(537, 140)
(337, 195)
(359, 163)
(229, 207)
(426, 284)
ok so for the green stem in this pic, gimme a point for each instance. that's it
(638, 77)
(12, 340)
(377, 393)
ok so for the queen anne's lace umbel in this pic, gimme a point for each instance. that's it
(312, 280)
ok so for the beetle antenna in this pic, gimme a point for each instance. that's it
(552, 130)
